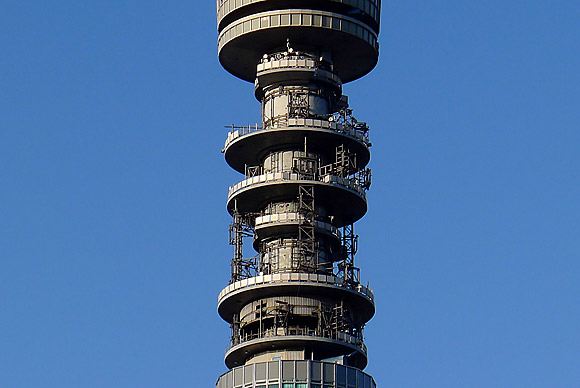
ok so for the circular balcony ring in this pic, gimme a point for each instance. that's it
(346, 204)
(250, 148)
(353, 45)
(322, 348)
(290, 229)
(293, 71)
(236, 295)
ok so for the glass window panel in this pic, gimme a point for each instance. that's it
(301, 385)
(288, 370)
(285, 20)
(248, 374)
(341, 374)
(329, 372)
(287, 385)
(273, 385)
(274, 20)
(315, 371)
(336, 23)
(255, 24)
(238, 374)
(326, 21)
(307, 19)
(273, 370)
(316, 20)
(360, 379)
(301, 370)
(296, 19)
(246, 26)
(351, 376)
(261, 371)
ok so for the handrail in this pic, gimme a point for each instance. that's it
(291, 277)
(299, 331)
(347, 183)
(287, 217)
(348, 130)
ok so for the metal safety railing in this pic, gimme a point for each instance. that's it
(292, 217)
(346, 129)
(293, 277)
(275, 332)
(347, 183)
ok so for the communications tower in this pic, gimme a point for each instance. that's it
(296, 305)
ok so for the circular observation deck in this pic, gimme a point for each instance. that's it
(232, 298)
(342, 197)
(353, 44)
(333, 345)
(249, 146)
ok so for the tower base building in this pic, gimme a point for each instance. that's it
(296, 305)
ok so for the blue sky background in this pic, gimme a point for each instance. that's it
(113, 228)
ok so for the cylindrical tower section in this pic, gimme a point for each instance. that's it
(296, 301)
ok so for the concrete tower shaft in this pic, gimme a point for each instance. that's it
(296, 308)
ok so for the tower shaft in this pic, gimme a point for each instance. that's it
(296, 307)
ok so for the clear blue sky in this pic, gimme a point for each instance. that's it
(113, 228)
